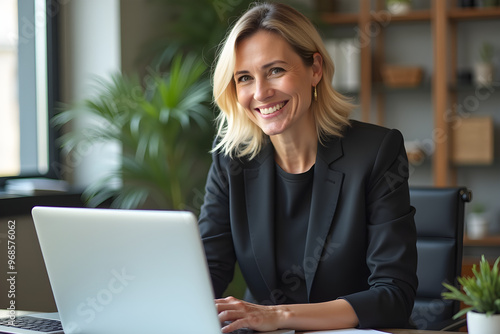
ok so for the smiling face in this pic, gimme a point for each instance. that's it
(274, 85)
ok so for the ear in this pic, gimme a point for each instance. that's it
(317, 68)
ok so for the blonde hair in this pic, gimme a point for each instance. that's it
(238, 135)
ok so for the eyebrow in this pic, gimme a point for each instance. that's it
(263, 67)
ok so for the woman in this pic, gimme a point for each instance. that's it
(314, 207)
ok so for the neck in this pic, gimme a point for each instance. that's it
(296, 154)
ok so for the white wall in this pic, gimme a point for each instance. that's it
(90, 46)
(9, 114)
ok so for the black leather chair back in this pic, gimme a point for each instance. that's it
(439, 219)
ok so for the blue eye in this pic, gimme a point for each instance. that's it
(276, 70)
(244, 78)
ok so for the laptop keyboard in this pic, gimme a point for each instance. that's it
(33, 323)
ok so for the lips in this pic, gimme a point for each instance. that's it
(272, 109)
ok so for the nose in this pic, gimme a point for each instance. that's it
(263, 90)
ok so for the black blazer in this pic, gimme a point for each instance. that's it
(361, 239)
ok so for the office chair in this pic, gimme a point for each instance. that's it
(439, 220)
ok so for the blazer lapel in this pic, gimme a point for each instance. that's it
(259, 192)
(326, 189)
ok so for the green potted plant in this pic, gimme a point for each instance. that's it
(483, 69)
(481, 294)
(164, 130)
(398, 7)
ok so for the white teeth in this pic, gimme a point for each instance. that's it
(267, 111)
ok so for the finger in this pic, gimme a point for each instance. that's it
(234, 325)
(231, 315)
(220, 303)
(225, 307)
(229, 299)
(234, 304)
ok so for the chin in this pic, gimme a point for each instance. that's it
(272, 132)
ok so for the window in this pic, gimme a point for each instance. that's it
(27, 87)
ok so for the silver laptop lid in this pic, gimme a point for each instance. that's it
(126, 271)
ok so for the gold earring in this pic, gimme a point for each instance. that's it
(315, 94)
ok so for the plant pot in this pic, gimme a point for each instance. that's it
(480, 323)
(399, 8)
(477, 225)
(483, 74)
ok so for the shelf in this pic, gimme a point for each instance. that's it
(353, 18)
(340, 18)
(474, 13)
(490, 240)
(416, 15)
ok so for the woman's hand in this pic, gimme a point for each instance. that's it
(242, 314)
(335, 314)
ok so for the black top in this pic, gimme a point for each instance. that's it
(293, 205)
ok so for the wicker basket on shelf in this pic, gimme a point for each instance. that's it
(402, 76)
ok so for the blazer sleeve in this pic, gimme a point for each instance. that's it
(215, 228)
(391, 254)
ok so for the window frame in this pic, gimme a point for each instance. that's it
(27, 24)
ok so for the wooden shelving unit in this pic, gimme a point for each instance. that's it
(443, 18)
(487, 241)
(458, 14)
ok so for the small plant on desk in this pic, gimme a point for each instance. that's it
(481, 293)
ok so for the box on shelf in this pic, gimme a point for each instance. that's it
(402, 76)
(473, 141)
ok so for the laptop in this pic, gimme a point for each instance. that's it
(124, 271)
